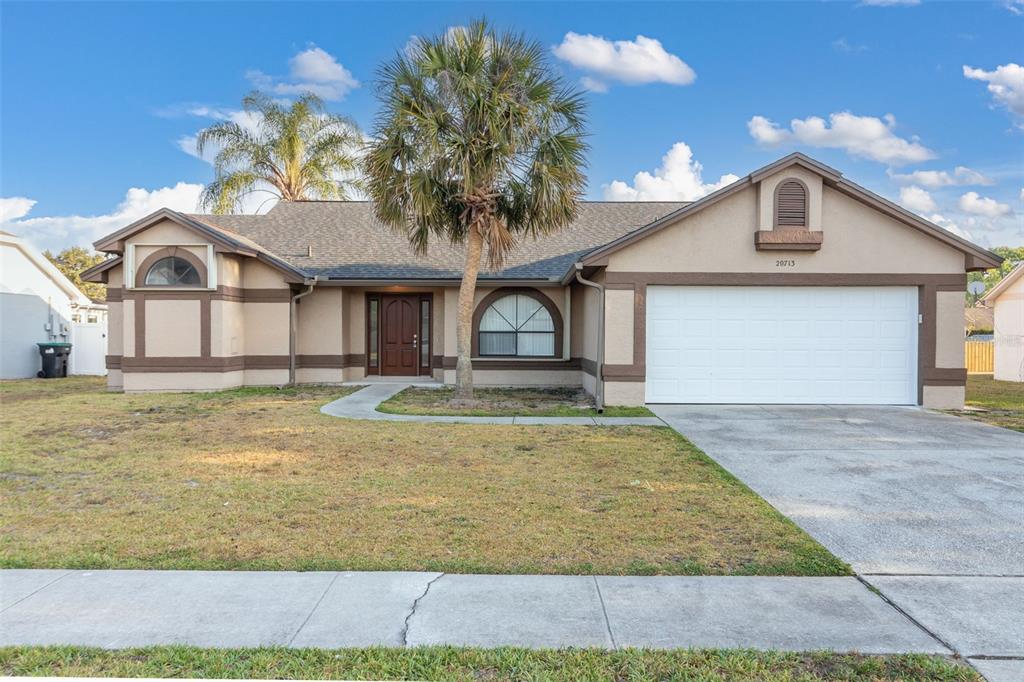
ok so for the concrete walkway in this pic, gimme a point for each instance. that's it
(117, 609)
(363, 403)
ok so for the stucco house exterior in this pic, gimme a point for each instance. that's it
(1006, 299)
(792, 285)
(39, 304)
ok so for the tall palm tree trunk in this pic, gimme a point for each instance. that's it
(464, 334)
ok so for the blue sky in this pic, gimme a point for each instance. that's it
(99, 100)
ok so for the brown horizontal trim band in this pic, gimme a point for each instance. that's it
(589, 366)
(427, 283)
(620, 286)
(227, 293)
(330, 361)
(437, 362)
(173, 295)
(222, 293)
(232, 363)
(555, 365)
(185, 364)
(945, 382)
(624, 372)
(784, 279)
(944, 374)
(625, 379)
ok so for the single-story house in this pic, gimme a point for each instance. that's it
(39, 304)
(791, 285)
(1006, 299)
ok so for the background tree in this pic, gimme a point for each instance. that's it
(1011, 255)
(75, 260)
(298, 152)
(477, 143)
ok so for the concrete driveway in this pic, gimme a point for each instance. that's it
(888, 489)
(927, 508)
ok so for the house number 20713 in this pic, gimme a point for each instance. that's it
(785, 263)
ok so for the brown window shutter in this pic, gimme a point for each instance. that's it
(791, 205)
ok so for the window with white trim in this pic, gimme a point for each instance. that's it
(172, 271)
(517, 326)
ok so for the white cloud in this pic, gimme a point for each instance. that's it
(643, 60)
(12, 208)
(312, 70)
(1022, 193)
(983, 206)
(1015, 6)
(58, 232)
(677, 179)
(917, 199)
(594, 85)
(951, 226)
(843, 45)
(961, 175)
(1005, 84)
(246, 119)
(863, 136)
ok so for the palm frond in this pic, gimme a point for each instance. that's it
(300, 150)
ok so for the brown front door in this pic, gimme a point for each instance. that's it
(399, 317)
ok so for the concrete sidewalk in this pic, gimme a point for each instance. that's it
(363, 403)
(116, 609)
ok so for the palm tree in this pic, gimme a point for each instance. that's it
(478, 144)
(295, 153)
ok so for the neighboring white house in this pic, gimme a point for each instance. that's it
(38, 304)
(1007, 301)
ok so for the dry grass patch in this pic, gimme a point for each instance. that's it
(259, 479)
(505, 402)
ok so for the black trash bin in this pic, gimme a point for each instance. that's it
(55, 359)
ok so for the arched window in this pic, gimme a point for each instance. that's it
(173, 271)
(171, 266)
(791, 204)
(517, 323)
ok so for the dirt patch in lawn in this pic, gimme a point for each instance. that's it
(259, 479)
(505, 402)
(1000, 403)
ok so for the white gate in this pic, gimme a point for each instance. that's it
(89, 343)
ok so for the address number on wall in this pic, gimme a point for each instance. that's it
(785, 263)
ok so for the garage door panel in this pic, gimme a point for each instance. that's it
(782, 344)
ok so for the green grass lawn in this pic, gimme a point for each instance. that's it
(449, 663)
(997, 402)
(260, 479)
(505, 402)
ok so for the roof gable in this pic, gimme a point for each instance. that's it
(223, 240)
(1005, 283)
(978, 258)
(43, 264)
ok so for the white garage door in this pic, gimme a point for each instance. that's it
(842, 345)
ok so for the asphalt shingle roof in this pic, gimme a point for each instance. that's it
(348, 242)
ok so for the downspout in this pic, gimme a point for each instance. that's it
(599, 379)
(293, 331)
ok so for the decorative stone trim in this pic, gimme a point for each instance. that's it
(788, 239)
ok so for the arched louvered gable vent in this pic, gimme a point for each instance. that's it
(791, 204)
